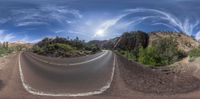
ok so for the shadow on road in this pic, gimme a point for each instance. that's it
(1, 84)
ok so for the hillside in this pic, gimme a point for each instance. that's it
(63, 47)
(105, 44)
(185, 42)
(20, 43)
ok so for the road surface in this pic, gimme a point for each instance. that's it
(30, 76)
(81, 76)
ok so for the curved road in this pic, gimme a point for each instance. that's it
(80, 76)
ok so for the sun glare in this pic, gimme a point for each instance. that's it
(100, 32)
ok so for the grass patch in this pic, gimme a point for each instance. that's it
(194, 53)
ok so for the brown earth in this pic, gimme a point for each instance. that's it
(164, 80)
(185, 42)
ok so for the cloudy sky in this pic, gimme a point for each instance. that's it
(32, 20)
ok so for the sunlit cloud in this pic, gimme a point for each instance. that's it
(169, 20)
(159, 17)
(103, 27)
(4, 37)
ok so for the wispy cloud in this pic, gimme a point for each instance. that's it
(44, 15)
(5, 36)
(30, 23)
(159, 17)
(109, 23)
(3, 20)
(35, 40)
(169, 20)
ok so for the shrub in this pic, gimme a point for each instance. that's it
(148, 56)
(37, 49)
(163, 52)
(194, 52)
(94, 48)
(62, 47)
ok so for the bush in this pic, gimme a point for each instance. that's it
(94, 48)
(37, 49)
(62, 47)
(194, 52)
(4, 51)
(148, 56)
(163, 52)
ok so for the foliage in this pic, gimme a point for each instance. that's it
(194, 52)
(163, 52)
(4, 49)
(62, 47)
(132, 41)
(148, 56)
(94, 48)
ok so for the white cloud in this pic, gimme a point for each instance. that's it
(171, 21)
(44, 15)
(108, 23)
(158, 17)
(59, 31)
(2, 21)
(30, 23)
(35, 40)
(5, 36)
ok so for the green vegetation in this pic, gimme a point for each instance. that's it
(4, 49)
(130, 44)
(194, 53)
(62, 47)
(164, 51)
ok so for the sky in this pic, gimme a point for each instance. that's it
(32, 20)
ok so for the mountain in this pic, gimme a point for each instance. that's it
(105, 44)
(185, 42)
(19, 43)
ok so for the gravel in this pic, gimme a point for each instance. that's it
(157, 81)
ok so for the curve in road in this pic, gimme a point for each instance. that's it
(89, 77)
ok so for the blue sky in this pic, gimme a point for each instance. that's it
(32, 20)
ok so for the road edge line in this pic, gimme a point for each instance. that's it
(33, 91)
(72, 64)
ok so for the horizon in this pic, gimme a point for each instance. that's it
(31, 21)
(21, 41)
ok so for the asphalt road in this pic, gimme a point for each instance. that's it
(30, 76)
(81, 76)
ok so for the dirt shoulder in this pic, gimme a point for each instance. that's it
(164, 81)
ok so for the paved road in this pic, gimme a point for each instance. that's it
(81, 76)
(11, 86)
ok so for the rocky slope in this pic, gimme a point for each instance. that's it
(185, 42)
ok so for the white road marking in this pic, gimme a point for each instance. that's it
(89, 60)
(37, 92)
(72, 64)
